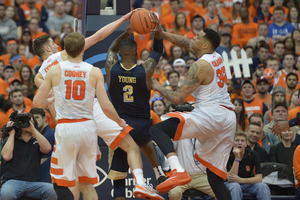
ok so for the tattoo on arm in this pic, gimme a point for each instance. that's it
(149, 65)
(180, 41)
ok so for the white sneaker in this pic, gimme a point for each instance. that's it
(145, 192)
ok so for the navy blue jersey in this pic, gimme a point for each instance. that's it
(129, 92)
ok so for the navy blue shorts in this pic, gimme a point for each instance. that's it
(139, 133)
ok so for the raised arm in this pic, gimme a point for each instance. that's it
(197, 73)
(112, 57)
(179, 40)
(106, 31)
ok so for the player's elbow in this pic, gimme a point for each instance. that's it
(36, 103)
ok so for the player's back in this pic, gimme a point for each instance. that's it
(74, 95)
(216, 91)
(129, 92)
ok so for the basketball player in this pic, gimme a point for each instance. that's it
(212, 122)
(129, 85)
(75, 84)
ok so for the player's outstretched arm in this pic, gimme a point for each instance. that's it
(196, 74)
(112, 57)
(106, 31)
(179, 40)
(106, 105)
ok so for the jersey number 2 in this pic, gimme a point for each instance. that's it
(128, 90)
(76, 90)
(221, 74)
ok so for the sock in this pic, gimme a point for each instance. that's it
(139, 176)
(158, 171)
(174, 162)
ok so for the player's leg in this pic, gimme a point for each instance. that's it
(63, 193)
(75, 191)
(88, 191)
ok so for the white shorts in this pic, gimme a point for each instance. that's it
(214, 126)
(74, 156)
(108, 129)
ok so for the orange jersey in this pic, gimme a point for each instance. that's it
(256, 106)
(243, 33)
(25, 110)
(2, 87)
(155, 117)
(267, 100)
(208, 20)
(282, 78)
(141, 41)
(233, 96)
(169, 21)
(188, 10)
(198, 9)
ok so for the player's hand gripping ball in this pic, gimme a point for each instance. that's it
(140, 21)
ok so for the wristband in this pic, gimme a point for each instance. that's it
(236, 160)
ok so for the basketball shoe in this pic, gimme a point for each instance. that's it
(146, 192)
(175, 179)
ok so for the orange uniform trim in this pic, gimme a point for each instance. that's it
(63, 183)
(180, 125)
(56, 171)
(212, 168)
(98, 157)
(85, 179)
(120, 137)
(54, 160)
(60, 121)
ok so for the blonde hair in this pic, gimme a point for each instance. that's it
(294, 130)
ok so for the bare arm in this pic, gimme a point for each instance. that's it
(196, 75)
(8, 148)
(235, 166)
(38, 79)
(112, 57)
(105, 31)
(179, 40)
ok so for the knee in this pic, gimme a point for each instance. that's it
(175, 194)
(262, 187)
(235, 188)
(7, 194)
(153, 131)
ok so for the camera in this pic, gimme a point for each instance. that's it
(183, 108)
(21, 120)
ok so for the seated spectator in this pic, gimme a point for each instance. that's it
(283, 152)
(294, 100)
(42, 126)
(278, 3)
(70, 8)
(225, 42)
(50, 8)
(272, 64)
(173, 80)
(288, 63)
(235, 18)
(12, 13)
(34, 13)
(20, 177)
(296, 164)
(241, 118)
(16, 84)
(265, 15)
(17, 62)
(159, 106)
(27, 40)
(265, 140)
(244, 171)
(144, 54)
(33, 26)
(279, 50)
(22, 51)
(1, 69)
(252, 104)
(25, 8)
(279, 113)
(280, 28)
(254, 131)
(197, 26)
(185, 151)
(27, 77)
(12, 47)
(5, 105)
(262, 56)
(8, 73)
(2, 48)
(289, 45)
(180, 27)
(291, 82)
(293, 17)
(296, 38)
(258, 74)
(65, 29)
(17, 99)
(210, 17)
(8, 27)
(179, 65)
(54, 23)
(176, 52)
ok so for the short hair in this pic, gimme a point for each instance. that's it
(38, 111)
(294, 129)
(128, 42)
(278, 42)
(39, 44)
(272, 59)
(240, 133)
(279, 104)
(172, 71)
(248, 47)
(174, 1)
(59, 1)
(264, 45)
(34, 18)
(14, 91)
(291, 74)
(263, 23)
(278, 8)
(288, 54)
(212, 36)
(254, 124)
(74, 44)
(256, 115)
(3, 5)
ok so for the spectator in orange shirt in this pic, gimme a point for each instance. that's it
(33, 26)
(262, 86)
(291, 82)
(279, 3)
(8, 73)
(24, 11)
(254, 42)
(16, 84)
(181, 27)
(12, 47)
(5, 105)
(245, 30)
(186, 8)
(294, 100)
(235, 13)
(273, 64)
(258, 73)
(288, 63)
(230, 90)
(199, 7)
(265, 15)
(197, 26)
(210, 17)
(17, 99)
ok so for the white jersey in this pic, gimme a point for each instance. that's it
(215, 92)
(74, 95)
(49, 62)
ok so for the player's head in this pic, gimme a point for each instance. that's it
(128, 47)
(44, 44)
(74, 44)
(207, 39)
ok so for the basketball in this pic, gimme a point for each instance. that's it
(140, 21)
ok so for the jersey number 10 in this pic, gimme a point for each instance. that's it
(76, 90)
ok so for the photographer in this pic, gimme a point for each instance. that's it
(22, 151)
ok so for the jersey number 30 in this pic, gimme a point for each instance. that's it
(221, 73)
(76, 90)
